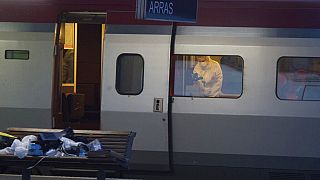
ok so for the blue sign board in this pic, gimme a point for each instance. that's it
(167, 10)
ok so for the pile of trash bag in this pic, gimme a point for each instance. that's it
(56, 144)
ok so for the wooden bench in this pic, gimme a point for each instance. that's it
(116, 155)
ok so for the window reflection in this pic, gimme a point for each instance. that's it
(298, 78)
(129, 77)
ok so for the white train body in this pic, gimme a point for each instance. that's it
(26, 85)
(205, 131)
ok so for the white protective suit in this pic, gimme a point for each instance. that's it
(211, 82)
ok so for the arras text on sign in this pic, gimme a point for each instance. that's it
(160, 7)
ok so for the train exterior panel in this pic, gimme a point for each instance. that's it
(254, 125)
(257, 123)
(26, 84)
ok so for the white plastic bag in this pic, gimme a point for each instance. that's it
(94, 145)
(6, 151)
(15, 144)
(52, 153)
(28, 139)
(68, 143)
(20, 149)
(21, 152)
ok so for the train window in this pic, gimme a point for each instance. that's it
(208, 76)
(17, 54)
(298, 78)
(129, 79)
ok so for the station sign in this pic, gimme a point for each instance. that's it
(167, 10)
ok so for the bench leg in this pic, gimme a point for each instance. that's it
(26, 173)
(101, 175)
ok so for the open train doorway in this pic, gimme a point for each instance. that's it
(77, 71)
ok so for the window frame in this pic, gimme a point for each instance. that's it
(226, 96)
(277, 77)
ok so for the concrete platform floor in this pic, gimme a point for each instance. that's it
(35, 177)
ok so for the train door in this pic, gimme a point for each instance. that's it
(135, 89)
(77, 79)
(206, 87)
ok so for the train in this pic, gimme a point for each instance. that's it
(136, 75)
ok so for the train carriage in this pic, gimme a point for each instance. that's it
(92, 65)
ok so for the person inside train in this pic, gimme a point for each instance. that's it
(67, 71)
(292, 88)
(208, 76)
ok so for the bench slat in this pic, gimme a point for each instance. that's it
(91, 132)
